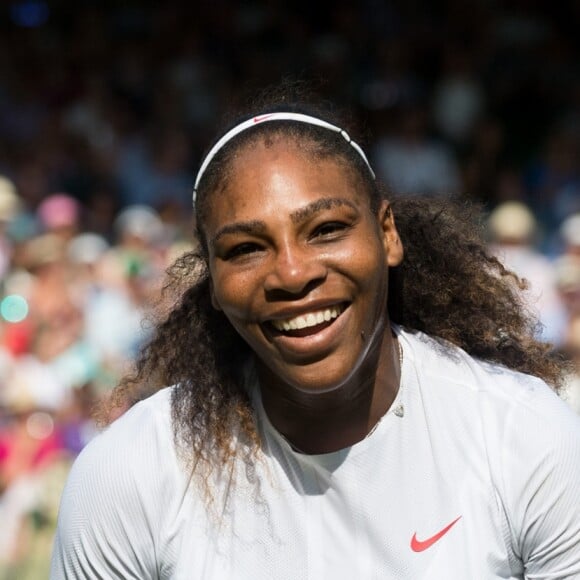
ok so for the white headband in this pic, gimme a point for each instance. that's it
(274, 117)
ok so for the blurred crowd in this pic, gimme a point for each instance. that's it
(105, 110)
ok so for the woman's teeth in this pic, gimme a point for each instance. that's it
(307, 320)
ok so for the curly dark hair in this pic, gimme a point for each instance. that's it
(448, 286)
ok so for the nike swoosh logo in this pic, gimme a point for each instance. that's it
(420, 545)
(261, 118)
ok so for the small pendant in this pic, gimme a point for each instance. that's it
(399, 411)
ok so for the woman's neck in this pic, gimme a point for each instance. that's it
(324, 422)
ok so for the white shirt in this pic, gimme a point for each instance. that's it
(474, 466)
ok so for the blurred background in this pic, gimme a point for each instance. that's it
(106, 107)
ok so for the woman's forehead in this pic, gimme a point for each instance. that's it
(238, 184)
(284, 175)
(271, 146)
(267, 163)
(303, 153)
(276, 140)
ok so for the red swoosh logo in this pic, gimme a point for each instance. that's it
(261, 118)
(420, 545)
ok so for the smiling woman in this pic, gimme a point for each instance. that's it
(305, 242)
(356, 390)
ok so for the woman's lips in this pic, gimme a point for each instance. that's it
(312, 334)
(308, 322)
(312, 343)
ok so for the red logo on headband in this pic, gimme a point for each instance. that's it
(262, 118)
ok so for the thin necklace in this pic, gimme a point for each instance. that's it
(399, 410)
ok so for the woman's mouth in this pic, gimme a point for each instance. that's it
(308, 323)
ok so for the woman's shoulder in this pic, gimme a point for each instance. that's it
(439, 362)
(120, 492)
(152, 413)
(499, 398)
(147, 421)
(123, 457)
(514, 410)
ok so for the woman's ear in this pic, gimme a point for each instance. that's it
(391, 240)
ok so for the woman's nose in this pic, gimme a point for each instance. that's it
(294, 270)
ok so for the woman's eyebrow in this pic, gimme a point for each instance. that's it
(302, 214)
(249, 227)
(308, 211)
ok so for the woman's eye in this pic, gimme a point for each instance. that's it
(329, 229)
(241, 250)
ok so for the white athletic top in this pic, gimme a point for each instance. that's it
(474, 473)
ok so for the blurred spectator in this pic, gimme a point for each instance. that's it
(570, 232)
(568, 264)
(120, 283)
(572, 349)
(553, 180)
(33, 469)
(483, 162)
(155, 171)
(9, 208)
(102, 206)
(60, 214)
(411, 162)
(513, 228)
(90, 118)
(568, 281)
(459, 99)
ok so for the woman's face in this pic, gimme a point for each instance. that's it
(298, 264)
